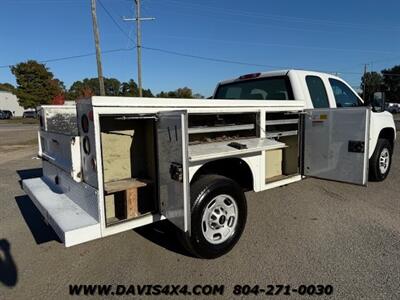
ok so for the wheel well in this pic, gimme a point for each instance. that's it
(234, 168)
(387, 133)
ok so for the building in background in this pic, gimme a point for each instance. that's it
(8, 101)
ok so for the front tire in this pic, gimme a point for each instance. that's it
(218, 216)
(381, 160)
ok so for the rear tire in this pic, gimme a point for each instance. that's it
(218, 216)
(381, 160)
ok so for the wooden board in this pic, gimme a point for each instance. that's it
(131, 203)
(122, 185)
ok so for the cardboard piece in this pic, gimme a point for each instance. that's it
(273, 163)
(117, 158)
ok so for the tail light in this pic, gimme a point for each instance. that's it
(85, 123)
(86, 145)
(90, 115)
(250, 76)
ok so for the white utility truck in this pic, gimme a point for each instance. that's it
(111, 164)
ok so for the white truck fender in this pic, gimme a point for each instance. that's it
(379, 122)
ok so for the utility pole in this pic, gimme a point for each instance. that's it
(98, 51)
(139, 47)
(138, 19)
(365, 83)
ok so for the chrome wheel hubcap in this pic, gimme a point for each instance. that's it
(384, 160)
(219, 219)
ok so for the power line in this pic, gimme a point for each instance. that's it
(114, 21)
(176, 53)
(211, 58)
(64, 58)
(279, 18)
(221, 60)
(189, 55)
(206, 58)
(267, 44)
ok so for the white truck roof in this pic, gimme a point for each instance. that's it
(283, 73)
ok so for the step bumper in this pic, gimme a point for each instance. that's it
(72, 224)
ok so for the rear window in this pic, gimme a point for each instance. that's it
(270, 88)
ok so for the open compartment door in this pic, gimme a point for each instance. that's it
(336, 144)
(173, 177)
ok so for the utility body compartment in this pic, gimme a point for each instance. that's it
(128, 162)
(129, 166)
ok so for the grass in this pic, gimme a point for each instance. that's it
(20, 120)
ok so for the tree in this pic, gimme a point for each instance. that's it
(184, 92)
(113, 87)
(58, 100)
(7, 87)
(90, 87)
(147, 93)
(129, 89)
(36, 85)
(78, 90)
(198, 96)
(391, 79)
(372, 82)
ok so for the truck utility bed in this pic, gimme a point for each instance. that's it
(129, 162)
(80, 208)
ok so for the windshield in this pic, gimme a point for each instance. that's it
(268, 88)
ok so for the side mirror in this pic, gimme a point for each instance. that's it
(378, 102)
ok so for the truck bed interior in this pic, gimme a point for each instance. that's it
(129, 167)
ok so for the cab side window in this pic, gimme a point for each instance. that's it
(344, 96)
(317, 91)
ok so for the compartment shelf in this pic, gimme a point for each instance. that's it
(222, 128)
(125, 184)
(282, 122)
(274, 134)
(222, 149)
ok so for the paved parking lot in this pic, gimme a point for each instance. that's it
(311, 232)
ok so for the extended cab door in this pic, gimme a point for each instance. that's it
(335, 144)
(172, 159)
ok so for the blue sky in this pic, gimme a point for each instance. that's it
(335, 36)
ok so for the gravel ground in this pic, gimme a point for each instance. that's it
(310, 232)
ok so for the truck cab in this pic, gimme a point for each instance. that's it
(318, 91)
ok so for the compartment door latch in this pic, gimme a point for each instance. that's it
(176, 171)
(356, 146)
